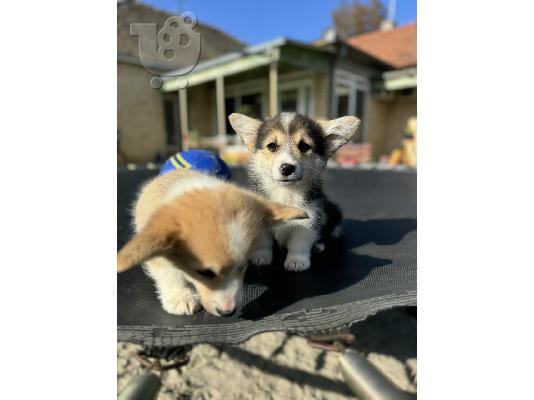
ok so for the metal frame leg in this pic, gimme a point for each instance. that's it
(143, 387)
(366, 381)
(146, 386)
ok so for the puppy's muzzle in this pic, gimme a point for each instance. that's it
(225, 313)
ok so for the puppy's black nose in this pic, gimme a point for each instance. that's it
(225, 313)
(287, 169)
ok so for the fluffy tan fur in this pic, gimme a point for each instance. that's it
(186, 223)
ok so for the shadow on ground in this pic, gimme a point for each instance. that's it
(391, 332)
(294, 375)
(339, 267)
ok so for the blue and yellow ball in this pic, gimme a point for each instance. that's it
(200, 160)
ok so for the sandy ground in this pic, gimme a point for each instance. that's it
(277, 366)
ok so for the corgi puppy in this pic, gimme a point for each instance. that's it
(195, 234)
(287, 155)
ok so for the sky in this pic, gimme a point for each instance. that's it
(255, 22)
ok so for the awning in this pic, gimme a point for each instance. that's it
(400, 79)
(241, 64)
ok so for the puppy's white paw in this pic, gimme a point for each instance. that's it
(262, 257)
(297, 262)
(337, 231)
(184, 303)
(319, 247)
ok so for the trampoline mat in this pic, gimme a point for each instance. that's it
(372, 268)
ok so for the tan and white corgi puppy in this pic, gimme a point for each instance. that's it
(195, 235)
(287, 155)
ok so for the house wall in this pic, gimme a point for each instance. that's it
(377, 115)
(400, 111)
(388, 118)
(140, 115)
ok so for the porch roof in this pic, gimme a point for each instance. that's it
(281, 49)
(399, 79)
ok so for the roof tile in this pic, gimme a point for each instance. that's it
(396, 47)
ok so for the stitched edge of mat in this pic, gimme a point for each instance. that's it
(301, 322)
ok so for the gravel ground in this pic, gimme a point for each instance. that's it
(277, 366)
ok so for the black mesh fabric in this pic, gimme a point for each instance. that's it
(371, 269)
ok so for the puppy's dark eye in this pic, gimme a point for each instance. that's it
(272, 147)
(207, 273)
(303, 146)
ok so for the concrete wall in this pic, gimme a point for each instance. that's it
(140, 115)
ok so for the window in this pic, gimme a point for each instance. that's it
(250, 98)
(289, 100)
(350, 98)
(251, 105)
(229, 106)
(295, 96)
(247, 98)
(342, 94)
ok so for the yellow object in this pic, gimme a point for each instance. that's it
(409, 155)
(396, 157)
(234, 156)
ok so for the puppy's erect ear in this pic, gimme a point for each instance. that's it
(279, 212)
(245, 127)
(151, 242)
(338, 132)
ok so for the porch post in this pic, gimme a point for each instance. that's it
(273, 88)
(221, 112)
(184, 124)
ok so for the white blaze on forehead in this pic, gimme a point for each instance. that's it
(285, 120)
(285, 156)
(238, 237)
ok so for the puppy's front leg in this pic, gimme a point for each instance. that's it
(299, 247)
(176, 294)
(263, 254)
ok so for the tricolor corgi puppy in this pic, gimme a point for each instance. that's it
(288, 154)
(195, 235)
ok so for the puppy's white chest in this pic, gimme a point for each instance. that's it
(288, 197)
(294, 198)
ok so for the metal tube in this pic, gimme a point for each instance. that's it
(143, 387)
(366, 381)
